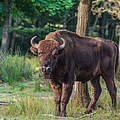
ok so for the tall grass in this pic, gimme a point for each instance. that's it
(14, 68)
(29, 107)
(32, 107)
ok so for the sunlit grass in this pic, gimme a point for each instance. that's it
(29, 107)
(33, 106)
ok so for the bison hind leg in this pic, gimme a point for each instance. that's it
(96, 91)
(110, 84)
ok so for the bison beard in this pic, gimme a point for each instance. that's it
(78, 58)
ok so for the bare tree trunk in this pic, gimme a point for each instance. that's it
(84, 9)
(65, 21)
(5, 40)
(119, 36)
(81, 94)
(13, 36)
(103, 23)
(13, 40)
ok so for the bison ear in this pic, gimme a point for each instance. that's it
(34, 50)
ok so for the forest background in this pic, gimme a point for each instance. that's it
(24, 19)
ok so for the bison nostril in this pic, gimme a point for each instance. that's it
(43, 69)
(48, 69)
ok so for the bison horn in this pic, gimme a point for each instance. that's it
(63, 45)
(33, 43)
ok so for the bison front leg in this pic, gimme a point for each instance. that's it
(57, 90)
(96, 91)
(66, 93)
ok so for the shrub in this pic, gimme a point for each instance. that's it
(14, 68)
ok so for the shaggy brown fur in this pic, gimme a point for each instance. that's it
(34, 50)
(81, 59)
(47, 46)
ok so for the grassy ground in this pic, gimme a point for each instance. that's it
(32, 98)
(28, 103)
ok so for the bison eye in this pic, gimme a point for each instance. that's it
(55, 55)
(39, 52)
(60, 51)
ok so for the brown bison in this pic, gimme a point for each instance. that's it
(65, 57)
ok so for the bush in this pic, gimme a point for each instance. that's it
(29, 107)
(14, 68)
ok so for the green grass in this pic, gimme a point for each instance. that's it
(29, 104)
(28, 107)
(14, 68)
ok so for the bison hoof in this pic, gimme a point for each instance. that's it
(57, 113)
(63, 115)
(88, 112)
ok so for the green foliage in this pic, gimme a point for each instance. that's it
(110, 6)
(53, 6)
(1, 6)
(36, 17)
(2, 12)
(17, 69)
(25, 7)
(14, 68)
(39, 17)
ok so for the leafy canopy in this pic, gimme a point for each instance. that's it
(53, 6)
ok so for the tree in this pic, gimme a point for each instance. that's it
(108, 12)
(112, 7)
(32, 16)
(119, 36)
(5, 40)
(84, 9)
(81, 89)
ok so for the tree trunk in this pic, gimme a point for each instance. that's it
(65, 21)
(13, 36)
(5, 40)
(84, 9)
(103, 23)
(111, 31)
(81, 94)
(119, 36)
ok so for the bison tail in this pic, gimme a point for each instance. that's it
(117, 59)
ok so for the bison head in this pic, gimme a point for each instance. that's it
(48, 52)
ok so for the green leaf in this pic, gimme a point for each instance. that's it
(33, 0)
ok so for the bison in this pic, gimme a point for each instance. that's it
(66, 57)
